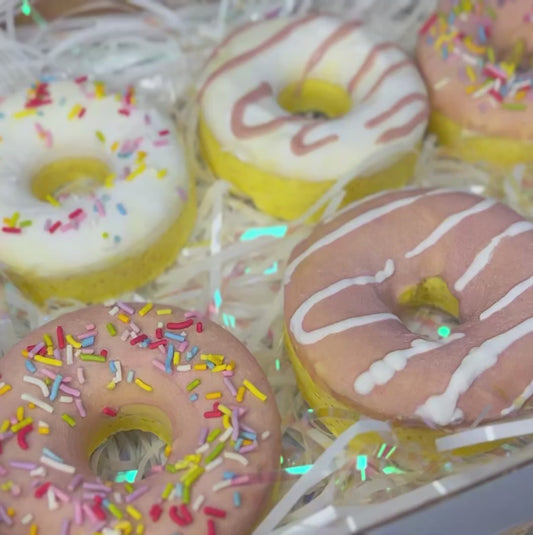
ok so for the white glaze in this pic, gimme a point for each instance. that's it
(515, 292)
(482, 259)
(520, 400)
(151, 203)
(357, 148)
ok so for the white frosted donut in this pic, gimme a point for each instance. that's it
(144, 192)
(248, 71)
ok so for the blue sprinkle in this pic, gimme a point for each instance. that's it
(86, 342)
(237, 499)
(105, 197)
(2, 116)
(451, 18)
(62, 101)
(131, 376)
(210, 364)
(238, 444)
(444, 52)
(117, 239)
(30, 366)
(191, 353)
(145, 343)
(106, 503)
(51, 455)
(193, 397)
(121, 209)
(228, 475)
(55, 387)
(248, 435)
(481, 34)
(179, 490)
(170, 356)
(174, 336)
(112, 366)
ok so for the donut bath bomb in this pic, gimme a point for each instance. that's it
(95, 193)
(90, 374)
(290, 105)
(349, 284)
(477, 60)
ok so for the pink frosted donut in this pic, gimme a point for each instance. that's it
(342, 306)
(475, 57)
(101, 370)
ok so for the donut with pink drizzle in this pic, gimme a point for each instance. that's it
(346, 285)
(258, 91)
(89, 374)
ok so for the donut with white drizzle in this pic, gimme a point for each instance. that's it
(97, 371)
(341, 306)
(241, 101)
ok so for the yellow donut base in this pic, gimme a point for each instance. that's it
(432, 291)
(290, 197)
(498, 151)
(123, 274)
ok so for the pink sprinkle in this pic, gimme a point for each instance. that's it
(3, 471)
(78, 513)
(247, 449)
(229, 384)
(227, 373)
(36, 349)
(65, 527)
(162, 350)
(182, 346)
(147, 119)
(75, 482)
(164, 132)
(80, 407)
(54, 227)
(49, 139)
(60, 495)
(81, 79)
(240, 480)
(69, 390)
(159, 365)
(87, 334)
(40, 130)
(89, 512)
(123, 111)
(48, 373)
(160, 142)
(125, 307)
(136, 494)
(75, 213)
(81, 376)
(99, 207)
(82, 113)
(66, 227)
(203, 435)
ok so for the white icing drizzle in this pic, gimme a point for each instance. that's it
(449, 223)
(382, 371)
(357, 222)
(483, 257)
(508, 298)
(519, 401)
(310, 337)
(441, 408)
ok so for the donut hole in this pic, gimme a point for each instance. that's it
(67, 177)
(128, 445)
(429, 309)
(315, 99)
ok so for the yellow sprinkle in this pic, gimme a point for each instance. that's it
(25, 113)
(176, 358)
(220, 368)
(254, 390)
(224, 409)
(48, 360)
(14, 219)
(75, 111)
(34, 529)
(134, 513)
(4, 389)
(123, 318)
(129, 488)
(192, 475)
(5, 426)
(226, 421)
(25, 353)
(520, 95)
(70, 421)
(109, 180)
(44, 431)
(490, 54)
(143, 385)
(141, 155)
(73, 342)
(11, 511)
(140, 529)
(99, 90)
(215, 359)
(240, 394)
(50, 351)
(213, 395)
(471, 73)
(164, 311)
(31, 406)
(18, 426)
(114, 146)
(20, 414)
(162, 173)
(168, 450)
(476, 49)
(168, 489)
(111, 385)
(230, 366)
(115, 511)
(48, 340)
(145, 309)
(201, 367)
(141, 169)
(247, 442)
(52, 200)
(471, 89)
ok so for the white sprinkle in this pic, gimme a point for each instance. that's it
(125, 334)
(38, 472)
(118, 375)
(26, 519)
(183, 368)
(61, 467)
(70, 358)
(236, 457)
(213, 464)
(198, 502)
(114, 311)
(66, 399)
(441, 83)
(226, 434)
(37, 382)
(81, 376)
(43, 424)
(118, 497)
(135, 327)
(203, 448)
(38, 403)
(265, 435)
(52, 502)
(221, 485)
(159, 324)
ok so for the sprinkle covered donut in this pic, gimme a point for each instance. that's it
(476, 58)
(264, 79)
(95, 195)
(346, 286)
(89, 374)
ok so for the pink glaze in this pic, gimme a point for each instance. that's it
(341, 306)
(75, 489)
(443, 63)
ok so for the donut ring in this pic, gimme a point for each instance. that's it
(95, 195)
(95, 372)
(267, 73)
(476, 60)
(346, 285)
